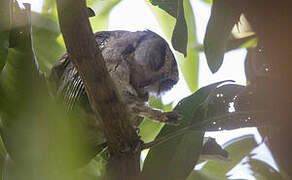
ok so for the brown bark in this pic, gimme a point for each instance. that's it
(103, 97)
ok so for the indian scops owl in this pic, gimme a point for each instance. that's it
(139, 63)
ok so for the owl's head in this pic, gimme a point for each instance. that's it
(153, 65)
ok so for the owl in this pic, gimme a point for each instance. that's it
(139, 63)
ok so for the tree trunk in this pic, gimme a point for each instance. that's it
(122, 139)
(271, 20)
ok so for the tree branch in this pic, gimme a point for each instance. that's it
(103, 97)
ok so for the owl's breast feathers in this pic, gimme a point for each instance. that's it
(138, 62)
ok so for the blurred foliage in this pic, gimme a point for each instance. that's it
(4, 31)
(38, 139)
(46, 30)
(41, 139)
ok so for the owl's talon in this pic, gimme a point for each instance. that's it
(172, 118)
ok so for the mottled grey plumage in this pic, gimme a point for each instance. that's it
(139, 63)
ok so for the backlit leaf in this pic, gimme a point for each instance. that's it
(237, 148)
(223, 17)
(176, 158)
(180, 32)
(263, 171)
(189, 64)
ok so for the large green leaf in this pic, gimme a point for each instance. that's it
(199, 175)
(5, 6)
(50, 9)
(212, 151)
(223, 17)
(189, 64)
(237, 148)
(222, 113)
(21, 65)
(263, 171)
(175, 158)
(170, 6)
(179, 38)
(180, 32)
(38, 134)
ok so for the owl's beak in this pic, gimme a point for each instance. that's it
(167, 84)
(144, 96)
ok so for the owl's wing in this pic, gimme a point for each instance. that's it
(67, 82)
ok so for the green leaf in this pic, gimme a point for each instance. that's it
(263, 171)
(94, 170)
(249, 43)
(220, 99)
(150, 129)
(246, 42)
(179, 38)
(180, 33)
(199, 175)
(170, 6)
(5, 8)
(40, 21)
(48, 5)
(208, 1)
(45, 33)
(31, 119)
(21, 67)
(222, 114)
(102, 9)
(189, 64)
(50, 9)
(166, 21)
(3, 155)
(176, 158)
(237, 148)
(223, 17)
(212, 151)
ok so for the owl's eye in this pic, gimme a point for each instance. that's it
(166, 84)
